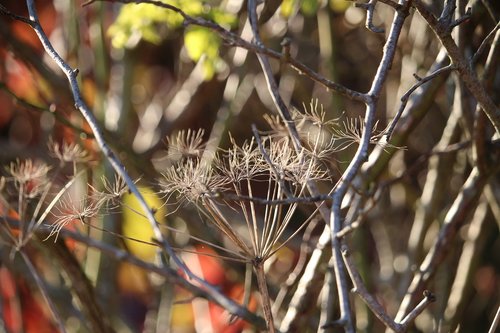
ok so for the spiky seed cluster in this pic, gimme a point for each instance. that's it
(191, 180)
(186, 144)
(269, 161)
(110, 197)
(29, 175)
(33, 179)
(68, 212)
(68, 152)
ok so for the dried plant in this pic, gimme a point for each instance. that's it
(68, 152)
(251, 193)
(30, 177)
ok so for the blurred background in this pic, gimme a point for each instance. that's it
(146, 76)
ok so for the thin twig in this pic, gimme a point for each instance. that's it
(71, 75)
(406, 97)
(428, 299)
(495, 322)
(370, 10)
(375, 306)
(233, 39)
(45, 293)
(171, 274)
(279, 176)
(16, 17)
(391, 3)
(456, 215)
(442, 28)
(273, 202)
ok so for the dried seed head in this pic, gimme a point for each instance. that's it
(191, 180)
(68, 152)
(32, 175)
(186, 144)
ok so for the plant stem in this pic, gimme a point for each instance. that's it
(264, 294)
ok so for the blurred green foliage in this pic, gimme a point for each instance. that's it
(138, 22)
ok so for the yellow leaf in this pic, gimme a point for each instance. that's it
(136, 225)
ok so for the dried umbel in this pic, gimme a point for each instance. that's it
(30, 177)
(70, 211)
(68, 152)
(269, 166)
(186, 144)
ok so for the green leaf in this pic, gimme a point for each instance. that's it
(200, 42)
(140, 21)
(309, 7)
(339, 6)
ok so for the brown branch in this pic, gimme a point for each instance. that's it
(442, 28)
(375, 306)
(406, 97)
(172, 275)
(264, 294)
(269, 202)
(455, 217)
(16, 17)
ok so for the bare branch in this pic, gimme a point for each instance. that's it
(406, 97)
(233, 39)
(375, 306)
(336, 219)
(71, 75)
(456, 215)
(442, 29)
(13, 16)
(484, 44)
(45, 293)
(495, 322)
(370, 9)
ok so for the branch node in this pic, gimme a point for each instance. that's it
(430, 296)
(462, 19)
(336, 323)
(285, 51)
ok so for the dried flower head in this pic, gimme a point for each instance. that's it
(186, 144)
(241, 162)
(191, 180)
(68, 152)
(71, 211)
(352, 130)
(295, 168)
(113, 191)
(316, 115)
(30, 175)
